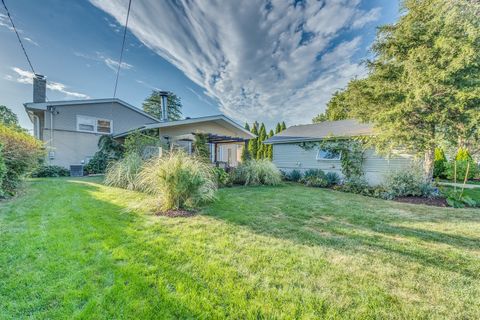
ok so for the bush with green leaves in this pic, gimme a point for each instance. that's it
(332, 178)
(109, 150)
(408, 182)
(3, 170)
(178, 181)
(257, 172)
(294, 175)
(139, 142)
(123, 173)
(456, 198)
(440, 164)
(357, 184)
(315, 178)
(221, 177)
(22, 153)
(47, 171)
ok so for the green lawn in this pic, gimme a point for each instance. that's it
(73, 249)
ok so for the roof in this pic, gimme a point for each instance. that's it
(65, 103)
(166, 124)
(322, 130)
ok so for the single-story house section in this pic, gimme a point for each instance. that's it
(289, 155)
(71, 129)
(226, 139)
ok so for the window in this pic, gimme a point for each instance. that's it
(328, 155)
(90, 124)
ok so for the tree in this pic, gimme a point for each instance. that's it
(153, 106)
(9, 118)
(283, 126)
(252, 143)
(337, 109)
(270, 147)
(278, 128)
(247, 126)
(262, 136)
(423, 85)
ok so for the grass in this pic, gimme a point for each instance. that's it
(71, 249)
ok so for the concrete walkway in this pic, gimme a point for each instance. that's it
(459, 185)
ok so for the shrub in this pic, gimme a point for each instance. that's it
(3, 170)
(257, 172)
(332, 178)
(440, 164)
(138, 142)
(315, 178)
(356, 184)
(108, 150)
(407, 183)
(50, 171)
(221, 177)
(461, 169)
(295, 175)
(178, 181)
(123, 173)
(22, 153)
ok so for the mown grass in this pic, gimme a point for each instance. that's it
(72, 249)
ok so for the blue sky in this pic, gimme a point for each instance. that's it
(251, 60)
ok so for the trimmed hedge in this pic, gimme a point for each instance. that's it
(47, 171)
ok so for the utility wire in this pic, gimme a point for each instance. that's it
(123, 47)
(18, 36)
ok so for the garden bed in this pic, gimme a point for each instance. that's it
(437, 202)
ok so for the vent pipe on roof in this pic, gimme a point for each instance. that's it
(164, 96)
(39, 88)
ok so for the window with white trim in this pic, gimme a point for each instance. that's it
(328, 155)
(95, 125)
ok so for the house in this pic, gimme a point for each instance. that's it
(288, 153)
(71, 129)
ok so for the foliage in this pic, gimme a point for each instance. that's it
(336, 109)
(138, 142)
(3, 170)
(440, 164)
(332, 178)
(221, 177)
(351, 153)
(356, 184)
(178, 181)
(246, 154)
(108, 150)
(294, 175)
(423, 84)
(457, 198)
(50, 171)
(153, 106)
(123, 172)
(314, 178)
(256, 147)
(408, 182)
(200, 147)
(460, 168)
(256, 172)
(463, 155)
(22, 153)
(9, 118)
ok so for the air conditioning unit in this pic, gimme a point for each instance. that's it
(76, 170)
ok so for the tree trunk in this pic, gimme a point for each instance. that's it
(428, 164)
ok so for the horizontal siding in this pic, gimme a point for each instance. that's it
(288, 157)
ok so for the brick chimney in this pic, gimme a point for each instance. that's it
(39, 88)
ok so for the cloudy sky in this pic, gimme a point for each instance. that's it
(266, 60)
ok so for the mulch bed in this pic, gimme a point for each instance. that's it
(177, 214)
(437, 202)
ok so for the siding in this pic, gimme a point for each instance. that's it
(288, 157)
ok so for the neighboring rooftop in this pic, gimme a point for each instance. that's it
(322, 130)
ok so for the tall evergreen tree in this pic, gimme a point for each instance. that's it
(253, 143)
(283, 126)
(247, 126)
(278, 128)
(270, 147)
(262, 136)
(153, 106)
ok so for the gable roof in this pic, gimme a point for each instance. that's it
(66, 103)
(166, 124)
(322, 130)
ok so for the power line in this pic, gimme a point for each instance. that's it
(123, 47)
(18, 36)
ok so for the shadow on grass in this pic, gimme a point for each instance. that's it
(352, 223)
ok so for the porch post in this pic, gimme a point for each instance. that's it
(215, 152)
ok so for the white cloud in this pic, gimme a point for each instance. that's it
(260, 60)
(31, 41)
(109, 62)
(26, 77)
(5, 23)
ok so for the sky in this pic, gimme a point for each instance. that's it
(264, 60)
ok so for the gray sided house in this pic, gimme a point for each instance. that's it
(288, 155)
(70, 130)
